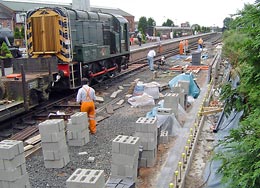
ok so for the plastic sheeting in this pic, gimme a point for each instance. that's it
(194, 89)
(166, 122)
(211, 177)
(142, 100)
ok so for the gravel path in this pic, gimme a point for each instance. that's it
(100, 145)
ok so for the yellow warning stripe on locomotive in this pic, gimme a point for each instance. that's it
(48, 34)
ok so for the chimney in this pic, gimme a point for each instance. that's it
(81, 5)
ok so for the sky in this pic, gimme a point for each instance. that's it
(203, 12)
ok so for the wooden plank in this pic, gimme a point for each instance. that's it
(211, 111)
(114, 94)
(120, 102)
(34, 149)
(28, 147)
(99, 99)
(33, 140)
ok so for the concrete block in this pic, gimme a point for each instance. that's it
(55, 155)
(164, 111)
(123, 159)
(50, 137)
(149, 154)
(10, 148)
(79, 118)
(80, 142)
(185, 85)
(124, 170)
(52, 146)
(125, 145)
(9, 164)
(86, 178)
(13, 174)
(164, 139)
(77, 126)
(57, 163)
(20, 182)
(144, 124)
(171, 100)
(51, 126)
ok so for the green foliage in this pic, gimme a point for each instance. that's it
(22, 32)
(168, 23)
(226, 23)
(151, 22)
(241, 157)
(142, 24)
(5, 52)
(17, 33)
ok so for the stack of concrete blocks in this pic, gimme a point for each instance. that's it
(77, 129)
(125, 153)
(164, 133)
(117, 182)
(12, 165)
(86, 178)
(182, 95)
(171, 100)
(185, 85)
(164, 139)
(53, 142)
(147, 131)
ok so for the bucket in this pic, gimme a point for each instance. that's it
(139, 89)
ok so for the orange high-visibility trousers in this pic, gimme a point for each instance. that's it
(181, 48)
(89, 107)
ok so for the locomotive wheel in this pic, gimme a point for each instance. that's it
(111, 74)
(99, 79)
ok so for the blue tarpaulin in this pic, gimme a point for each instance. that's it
(194, 89)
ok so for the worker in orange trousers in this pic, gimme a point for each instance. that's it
(86, 97)
(181, 46)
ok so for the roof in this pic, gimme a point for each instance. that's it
(109, 10)
(23, 5)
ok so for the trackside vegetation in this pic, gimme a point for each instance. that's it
(241, 156)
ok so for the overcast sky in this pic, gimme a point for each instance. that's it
(202, 12)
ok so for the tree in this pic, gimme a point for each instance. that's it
(241, 157)
(17, 33)
(226, 23)
(168, 23)
(142, 24)
(151, 22)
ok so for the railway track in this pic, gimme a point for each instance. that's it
(25, 125)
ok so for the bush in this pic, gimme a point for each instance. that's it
(5, 52)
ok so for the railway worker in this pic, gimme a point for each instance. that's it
(131, 40)
(200, 42)
(150, 57)
(186, 46)
(86, 97)
(139, 37)
(181, 45)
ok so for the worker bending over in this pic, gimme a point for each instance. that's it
(86, 97)
(150, 57)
